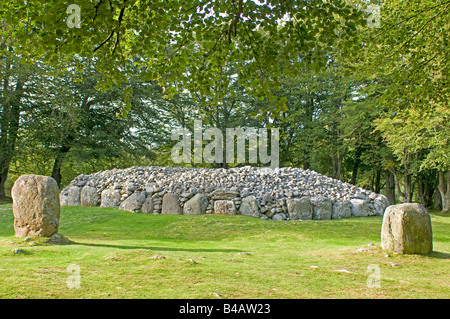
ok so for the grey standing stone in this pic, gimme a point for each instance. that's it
(299, 208)
(89, 196)
(110, 198)
(196, 205)
(250, 207)
(407, 229)
(322, 208)
(73, 196)
(360, 207)
(171, 204)
(133, 203)
(36, 206)
(341, 210)
(147, 206)
(224, 207)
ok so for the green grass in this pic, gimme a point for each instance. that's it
(289, 259)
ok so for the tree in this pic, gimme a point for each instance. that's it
(411, 48)
(17, 83)
(186, 41)
(73, 116)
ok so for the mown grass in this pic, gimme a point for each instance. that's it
(235, 257)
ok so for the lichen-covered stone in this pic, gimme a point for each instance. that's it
(250, 207)
(36, 206)
(171, 204)
(196, 205)
(89, 196)
(407, 229)
(299, 208)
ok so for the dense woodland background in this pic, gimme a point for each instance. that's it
(362, 104)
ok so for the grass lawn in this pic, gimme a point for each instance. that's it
(232, 257)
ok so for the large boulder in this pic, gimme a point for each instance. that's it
(322, 208)
(196, 205)
(299, 208)
(380, 203)
(110, 198)
(171, 204)
(406, 229)
(133, 203)
(89, 196)
(73, 196)
(35, 206)
(360, 207)
(224, 207)
(341, 210)
(147, 206)
(250, 207)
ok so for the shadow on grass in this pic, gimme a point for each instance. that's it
(211, 250)
(439, 255)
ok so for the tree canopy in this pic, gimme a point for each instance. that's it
(186, 43)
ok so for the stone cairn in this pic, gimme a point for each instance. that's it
(277, 194)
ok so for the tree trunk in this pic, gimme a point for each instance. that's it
(356, 166)
(62, 152)
(407, 180)
(437, 201)
(3, 177)
(56, 171)
(390, 187)
(337, 164)
(10, 122)
(408, 189)
(378, 181)
(426, 190)
(444, 189)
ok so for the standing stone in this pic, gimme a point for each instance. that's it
(360, 207)
(250, 207)
(224, 207)
(110, 198)
(73, 196)
(406, 229)
(147, 206)
(170, 204)
(35, 206)
(322, 208)
(299, 208)
(89, 196)
(196, 205)
(133, 203)
(341, 210)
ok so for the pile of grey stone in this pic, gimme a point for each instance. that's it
(277, 194)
